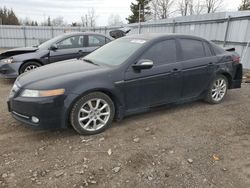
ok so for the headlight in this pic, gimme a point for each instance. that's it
(14, 90)
(8, 60)
(42, 93)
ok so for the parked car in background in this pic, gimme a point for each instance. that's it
(67, 46)
(129, 75)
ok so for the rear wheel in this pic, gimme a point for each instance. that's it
(217, 90)
(92, 114)
(29, 66)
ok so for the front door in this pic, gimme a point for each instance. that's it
(69, 48)
(159, 85)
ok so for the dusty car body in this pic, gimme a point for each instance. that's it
(127, 76)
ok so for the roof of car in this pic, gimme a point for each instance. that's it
(151, 36)
(83, 33)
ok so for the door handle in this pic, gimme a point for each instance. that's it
(175, 72)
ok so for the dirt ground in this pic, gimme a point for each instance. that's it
(188, 145)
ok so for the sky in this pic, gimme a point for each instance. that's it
(72, 10)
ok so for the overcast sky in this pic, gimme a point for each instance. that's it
(72, 10)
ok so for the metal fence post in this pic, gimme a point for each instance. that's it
(24, 36)
(174, 25)
(139, 28)
(245, 52)
(226, 32)
(105, 30)
(52, 32)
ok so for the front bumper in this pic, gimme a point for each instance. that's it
(9, 70)
(52, 112)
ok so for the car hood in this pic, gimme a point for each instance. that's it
(58, 73)
(17, 51)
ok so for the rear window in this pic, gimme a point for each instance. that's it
(217, 50)
(207, 49)
(192, 49)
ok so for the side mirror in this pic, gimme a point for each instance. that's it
(143, 64)
(54, 47)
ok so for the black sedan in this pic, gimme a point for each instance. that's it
(67, 46)
(127, 76)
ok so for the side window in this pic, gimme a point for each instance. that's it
(71, 42)
(162, 53)
(192, 49)
(96, 40)
(207, 49)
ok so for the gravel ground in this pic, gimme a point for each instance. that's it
(188, 145)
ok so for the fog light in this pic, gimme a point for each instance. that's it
(34, 119)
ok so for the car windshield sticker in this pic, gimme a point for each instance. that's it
(138, 41)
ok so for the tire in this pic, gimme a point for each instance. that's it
(29, 66)
(217, 90)
(89, 121)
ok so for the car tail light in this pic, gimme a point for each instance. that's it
(236, 59)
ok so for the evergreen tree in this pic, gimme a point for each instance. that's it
(8, 17)
(145, 11)
(245, 5)
(49, 21)
(13, 20)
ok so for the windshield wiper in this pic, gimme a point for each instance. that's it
(90, 61)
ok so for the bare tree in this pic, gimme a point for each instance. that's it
(183, 7)
(196, 7)
(114, 20)
(192, 7)
(213, 5)
(161, 8)
(58, 21)
(89, 19)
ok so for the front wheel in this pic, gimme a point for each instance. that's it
(217, 90)
(29, 66)
(92, 113)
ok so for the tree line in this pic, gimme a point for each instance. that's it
(8, 17)
(144, 10)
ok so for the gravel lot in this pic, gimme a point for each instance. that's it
(189, 145)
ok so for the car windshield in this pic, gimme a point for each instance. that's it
(116, 52)
(47, 44)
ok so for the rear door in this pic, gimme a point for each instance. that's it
(198, 65)
(69, 48)
(158, 85)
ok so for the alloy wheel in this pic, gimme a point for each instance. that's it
(219, 89)
(30, 67)
(94, 114)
